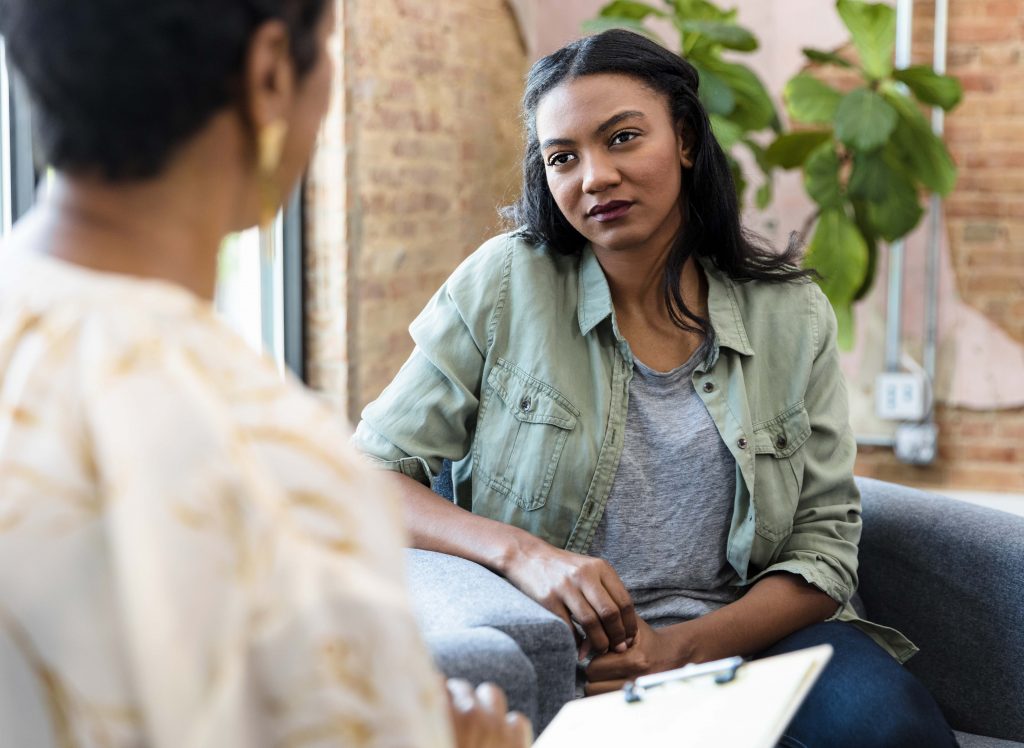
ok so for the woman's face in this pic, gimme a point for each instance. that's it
(614, 160)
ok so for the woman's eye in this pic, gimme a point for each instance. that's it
(560, 159)
(623, 137)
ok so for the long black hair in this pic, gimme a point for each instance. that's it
(711, 216)
(117, 85)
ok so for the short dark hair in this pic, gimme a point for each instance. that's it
(117, 85)
(711, 226)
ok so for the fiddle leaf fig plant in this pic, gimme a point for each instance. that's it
(867, 155)
(735, 98)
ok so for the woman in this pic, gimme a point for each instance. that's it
(187, 557)
(645, 408)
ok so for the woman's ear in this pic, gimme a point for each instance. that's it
(269, 77)
(685, 140)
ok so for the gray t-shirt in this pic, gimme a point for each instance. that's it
(666, 524)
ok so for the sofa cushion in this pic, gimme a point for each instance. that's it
(950, 576)
(451, 594)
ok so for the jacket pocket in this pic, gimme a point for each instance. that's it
(778, 470)
(521, 432)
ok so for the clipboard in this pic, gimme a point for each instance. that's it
(728, 702)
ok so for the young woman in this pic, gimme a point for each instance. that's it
(645, 408)
(187, 553)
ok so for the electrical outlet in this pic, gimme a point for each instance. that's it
(901, 396)
(916, 443)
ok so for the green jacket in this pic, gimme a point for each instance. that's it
(521, 378)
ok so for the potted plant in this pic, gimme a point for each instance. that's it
(867, 154)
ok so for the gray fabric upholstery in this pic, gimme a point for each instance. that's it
(950, 575)
(484, 654)
(967, 740)
(455, 595)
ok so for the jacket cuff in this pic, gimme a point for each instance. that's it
(815, 572)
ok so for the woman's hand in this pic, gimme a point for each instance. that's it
(653, 651)
(577, 588)
(480, 718)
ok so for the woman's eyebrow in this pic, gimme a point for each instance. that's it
(603, 127)
(616, 119)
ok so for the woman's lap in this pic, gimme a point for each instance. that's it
(863, 697)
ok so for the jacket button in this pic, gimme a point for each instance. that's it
(741, 443)
(525, 405)
(780, 441)
(709, 386)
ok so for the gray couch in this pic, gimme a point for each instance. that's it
(949, 575)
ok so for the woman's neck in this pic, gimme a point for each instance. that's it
(147, 229)
(167, 228)
(636, 282)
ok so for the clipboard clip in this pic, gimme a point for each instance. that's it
(723, 670)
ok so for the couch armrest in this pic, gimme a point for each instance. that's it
(451, 594)
(950, 575)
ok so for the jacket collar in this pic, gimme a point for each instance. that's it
(595, 302)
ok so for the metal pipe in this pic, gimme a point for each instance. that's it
(894, 302)
(931, 318)
(6, 174)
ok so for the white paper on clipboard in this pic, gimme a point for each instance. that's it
(752, 711)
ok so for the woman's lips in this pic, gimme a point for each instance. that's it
(610, 211)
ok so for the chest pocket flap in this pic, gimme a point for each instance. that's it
(783, 435)
(530, 400)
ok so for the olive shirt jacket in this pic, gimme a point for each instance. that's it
(521, 377)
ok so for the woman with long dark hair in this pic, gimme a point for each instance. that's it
(645, 409)
(189, 555)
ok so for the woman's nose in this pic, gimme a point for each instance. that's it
(599, 174)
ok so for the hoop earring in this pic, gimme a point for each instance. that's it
(271, 148)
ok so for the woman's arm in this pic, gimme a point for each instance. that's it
(572, 586)
(775, 607)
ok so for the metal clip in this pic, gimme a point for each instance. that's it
(723, 670)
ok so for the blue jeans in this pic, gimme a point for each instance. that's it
(863, 698)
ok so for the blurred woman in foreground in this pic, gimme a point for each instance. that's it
(188, 554)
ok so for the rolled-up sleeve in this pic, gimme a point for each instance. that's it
(822, 547)
(428, 412)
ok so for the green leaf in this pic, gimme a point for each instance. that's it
(729, 35)
(792, 149)
(597, 25)
(839, 253)
(917, 149)
(726, 132)
(764, 195)
(845, 331)
(931, 88)
(821, 177)
(714, 93)
(896, 217)
(826, 58)
(630, 9)
(869, 176)
(872, 242)
(885, 198)
(864, 120)
(873, 29)
(810, 100)
(758, 152)
(754, 109)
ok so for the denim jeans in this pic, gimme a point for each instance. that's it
(864, 698)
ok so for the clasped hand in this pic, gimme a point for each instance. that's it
(587, 591)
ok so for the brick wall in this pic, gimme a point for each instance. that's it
(428, 146)
(985, 221)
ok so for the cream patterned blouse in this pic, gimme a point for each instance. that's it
(190, 554)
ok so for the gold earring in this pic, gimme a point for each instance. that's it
(271, 148)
